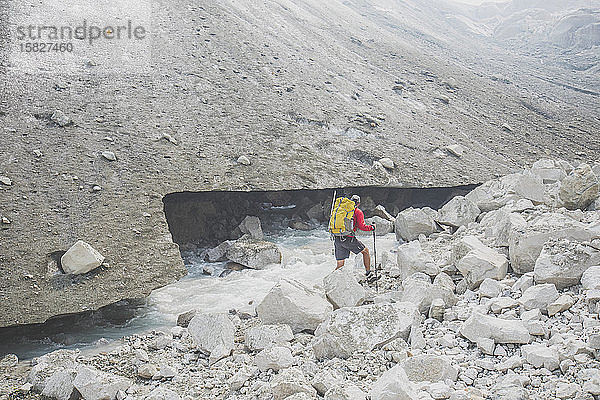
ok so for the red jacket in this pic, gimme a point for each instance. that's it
(359, 221)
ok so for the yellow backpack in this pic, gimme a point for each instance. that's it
(342, 215)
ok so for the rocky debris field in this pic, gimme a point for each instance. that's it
(494, 296)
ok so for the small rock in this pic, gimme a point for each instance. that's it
(81, 258)
(96, 188)
(5, 180)
(5, 221)
(456, 150)
(243, 160)
(387, 163)
(275, 358)
(60, 118)
(109, 155)
(146, 371)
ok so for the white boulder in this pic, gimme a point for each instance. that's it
(496, 193)
(500, 330)
(59, 385)
(325, 379)
(590, 279)
(551, 171)
(421, 293)
(539, 296)
(393, 385)
(295, 304)
(382, 226)
(81, 258)
(563, 262)
(490, 288)
(290, 381)
(253, 253)
(213, 333)
(459, 211)
(345, 391)
(411, 258)
(563, 303)
(365, 328)
(580, 188)
(412, 222)
(263, 336)
(480, 262)
(97, 385)
(343, 290)
(540, 355)
(275, 358)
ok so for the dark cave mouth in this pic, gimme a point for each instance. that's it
(203, 219)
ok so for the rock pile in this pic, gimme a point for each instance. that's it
(511, 313)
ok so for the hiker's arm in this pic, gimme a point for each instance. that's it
(360, 221)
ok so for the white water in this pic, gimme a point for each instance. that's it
(307, 256)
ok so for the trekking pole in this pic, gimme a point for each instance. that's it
(375, 259)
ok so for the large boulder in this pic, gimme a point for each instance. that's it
(343, 290)
(382, 226)
(351, 329)
(580, 188)
(459, 211)
(421, 292)
(81, 258)
(213, 333)
(393, 385)
(253, 253)
(498, 225)
(411, 258)
(97, 385)
(562, 262)
(295, 304)
(496, 193)
(219, 252)
(539, 296)
(291, 381)
(59, 385)
(345, 391)
(480, 262)
(551, 171)
(431, 368)
(49, 364)
(263, 336)
(479, 326)
(412, 222)
(540, 355)
(526, 243)
(251, 226)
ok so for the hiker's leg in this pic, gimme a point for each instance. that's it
(340, 264)
(366, 258)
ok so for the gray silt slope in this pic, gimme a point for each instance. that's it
(293, 86)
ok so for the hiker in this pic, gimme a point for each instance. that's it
(344, 237)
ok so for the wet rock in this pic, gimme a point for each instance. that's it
(539, 296)
(413, 222)
(526, 243)
(343, 290)
(500, 330)
(429, 368)
(458, 211)
(590, 279)
(540, 355)
(219, 253)
(580, 188)
(352, 329)
(263, 336)
(81, 258)
(253, 253)
(411, 258)
(479, 262)
(295, 304)
(393, 384)
(562, 262)
(289, 382)
(213, 333)
(109, 155)
(252, 226)
(97, 385)
(275, 358)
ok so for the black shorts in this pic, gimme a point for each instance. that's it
(346, 244)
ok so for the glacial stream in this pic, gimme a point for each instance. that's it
(307, 256)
